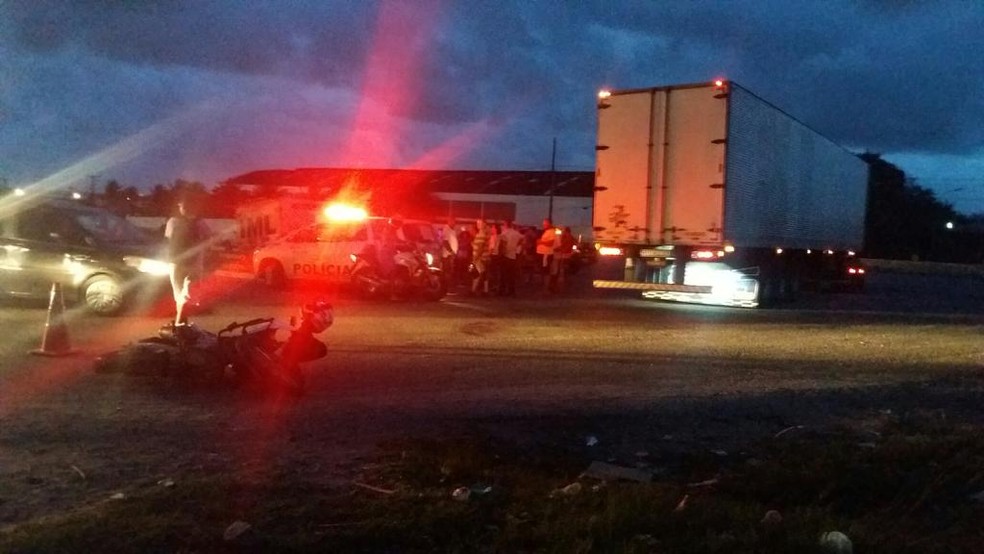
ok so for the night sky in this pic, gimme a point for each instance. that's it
(148, 92)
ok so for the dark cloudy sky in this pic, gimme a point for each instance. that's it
(146, 92)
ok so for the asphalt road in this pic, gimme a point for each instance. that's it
(638, 375)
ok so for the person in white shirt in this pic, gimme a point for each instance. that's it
(449, 250)
(187, 236)
(509, 248)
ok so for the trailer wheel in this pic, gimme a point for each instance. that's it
(788, 288)
(769, 291)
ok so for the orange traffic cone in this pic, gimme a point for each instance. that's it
(55, 339)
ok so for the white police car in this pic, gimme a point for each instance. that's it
(322, 252)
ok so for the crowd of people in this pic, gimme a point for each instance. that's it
(491, 258)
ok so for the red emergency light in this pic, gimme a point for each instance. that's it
(345, 212)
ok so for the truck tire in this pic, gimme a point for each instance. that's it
(791, 287)
(103, 295)
(769, 290)
(272, 274)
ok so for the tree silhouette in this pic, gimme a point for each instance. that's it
(904, 220)
(225, 198)
(161, 201)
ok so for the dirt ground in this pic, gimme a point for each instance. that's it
(106, 436)
(558, 374)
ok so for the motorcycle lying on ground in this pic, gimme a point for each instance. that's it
(241, 354)
(412, 275)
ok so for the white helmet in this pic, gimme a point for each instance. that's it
(320, 315)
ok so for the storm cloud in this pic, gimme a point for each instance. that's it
(469, 84)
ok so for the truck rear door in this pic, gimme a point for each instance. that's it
(660, 166)
(689, 168)
(621, 197)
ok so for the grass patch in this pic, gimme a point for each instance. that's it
(904, 488)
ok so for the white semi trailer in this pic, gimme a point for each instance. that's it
(707, 193)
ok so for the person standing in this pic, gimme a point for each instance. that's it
(562, 256)
(449, 251)
(480, 258)
(495, 260)
(546, 246)
(510, 242)
(529, 261)
(186, 238)
(464, 258)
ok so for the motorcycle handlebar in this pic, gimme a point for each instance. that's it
(245, 325)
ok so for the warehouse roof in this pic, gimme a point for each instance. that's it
(523, 183)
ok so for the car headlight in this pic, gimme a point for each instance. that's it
(148, 265)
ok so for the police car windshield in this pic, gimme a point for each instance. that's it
(408, 230)
(418, 233)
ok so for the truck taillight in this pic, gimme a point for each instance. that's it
(706, 254)
(609, 251)
(602, 94)
(855, 270)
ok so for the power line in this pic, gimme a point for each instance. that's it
(958, 180)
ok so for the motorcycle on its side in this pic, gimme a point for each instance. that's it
(411, 274)
(241, 354)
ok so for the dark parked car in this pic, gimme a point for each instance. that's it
(99, 258)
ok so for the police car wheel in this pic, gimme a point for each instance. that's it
(272, 273)
(103, 295)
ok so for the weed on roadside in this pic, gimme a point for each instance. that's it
(906, 485)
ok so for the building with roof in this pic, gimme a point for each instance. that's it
(525, 197)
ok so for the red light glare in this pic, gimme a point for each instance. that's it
(344, 212)
(719, 83)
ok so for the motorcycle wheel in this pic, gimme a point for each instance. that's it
(434, 287)
(366, 284)
(402, 285)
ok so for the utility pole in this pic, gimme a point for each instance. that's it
(553, 178)
(92, 189)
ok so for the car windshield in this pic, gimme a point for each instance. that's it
(418, 232)
(412, 231)
(107, 228)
